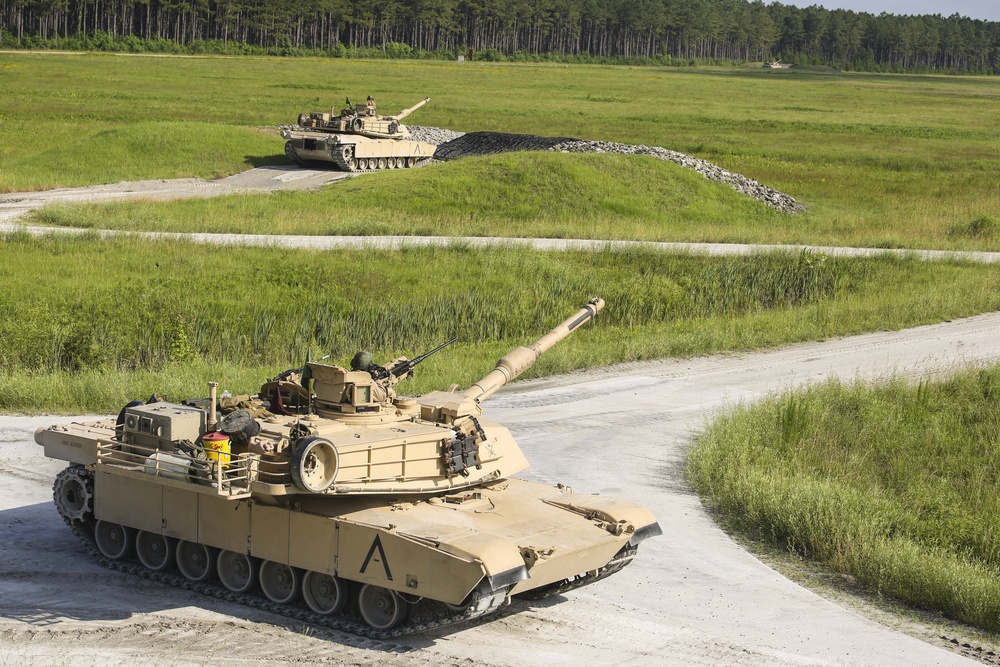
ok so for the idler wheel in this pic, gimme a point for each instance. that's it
(237, 572)
(114, 540)
(73, 493)
(324, 594)
(195, 561)
(279, 582)
(381, 608)
(314, 464)
(411, 162)
(156, 552)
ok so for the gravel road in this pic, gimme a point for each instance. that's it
(691, 597)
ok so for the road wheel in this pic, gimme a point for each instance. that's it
(323, 593)
(381, 608)
(195, 560)
(280, 582)
(156, 552)
(314, 464)
(237, 572)
(114, 540)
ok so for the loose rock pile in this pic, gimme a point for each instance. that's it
(747, 186)
(491, 143)
(432, 135)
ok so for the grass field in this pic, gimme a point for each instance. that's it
(88, 324)
(897, 485)
(880, 160)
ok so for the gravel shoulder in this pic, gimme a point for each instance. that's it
(691, 597)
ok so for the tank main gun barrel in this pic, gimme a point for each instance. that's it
(406, 112)
(521, 358)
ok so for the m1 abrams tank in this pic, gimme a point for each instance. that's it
(356, 139)
(342, 505)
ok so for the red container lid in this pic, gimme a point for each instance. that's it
(215, 437)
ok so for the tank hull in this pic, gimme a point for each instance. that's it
(514, 532)
(352, 152)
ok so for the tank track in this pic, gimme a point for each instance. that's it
(621, 559)
(344, 165)
(338, 159)
(431, 615)
(293, 156)
(434, 615)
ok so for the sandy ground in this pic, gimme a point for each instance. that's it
(691, 597)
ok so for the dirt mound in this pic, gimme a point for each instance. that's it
(491, 143)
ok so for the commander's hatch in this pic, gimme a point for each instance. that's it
(344, 391)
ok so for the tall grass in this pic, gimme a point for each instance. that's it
(896, 484)
(85, 310)
(153, 303)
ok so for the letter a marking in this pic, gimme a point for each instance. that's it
(377, 544)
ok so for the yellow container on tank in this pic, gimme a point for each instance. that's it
(217, 447)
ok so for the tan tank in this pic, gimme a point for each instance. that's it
(345, 506)
(356, 139)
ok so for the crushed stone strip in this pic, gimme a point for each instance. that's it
(742, 184)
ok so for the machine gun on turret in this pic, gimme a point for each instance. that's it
(401, 368)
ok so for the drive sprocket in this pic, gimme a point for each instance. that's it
(73, 493)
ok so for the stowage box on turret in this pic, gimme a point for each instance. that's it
(333, 500)
(356, 139)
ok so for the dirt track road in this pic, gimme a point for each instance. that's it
(262, 179)
(14, 206)
(691, 597)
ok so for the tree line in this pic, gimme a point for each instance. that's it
(659, 31)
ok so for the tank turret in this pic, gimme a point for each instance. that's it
(356, 139)
(362, 506)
